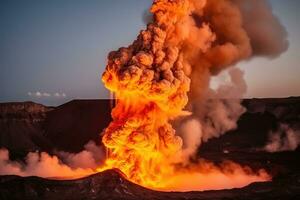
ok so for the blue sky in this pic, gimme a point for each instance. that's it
(60, 47)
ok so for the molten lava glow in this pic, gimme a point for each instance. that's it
(150, 82)
(207, 176)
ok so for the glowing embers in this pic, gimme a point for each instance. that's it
(141, 142)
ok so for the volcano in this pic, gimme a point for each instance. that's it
(241, 145)
(111, 185)
(165, 130)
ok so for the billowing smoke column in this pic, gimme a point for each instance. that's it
(151, 88)
(169, 67)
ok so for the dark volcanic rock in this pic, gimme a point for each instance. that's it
(112, 185)
(287, 110)
(244, 145)
(21, 126)
(29, 126)
(71, 125)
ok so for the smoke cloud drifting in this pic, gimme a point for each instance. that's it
(63, 165)
(217, 113)
(238, 30)
(284, 139)
(267, 35)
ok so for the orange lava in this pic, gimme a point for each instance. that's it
(150, 85)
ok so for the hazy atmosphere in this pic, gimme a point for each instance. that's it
(55, 51)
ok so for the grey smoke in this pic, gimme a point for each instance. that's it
(90, 157)
(267, 35)
(218, 111)
(217, 114)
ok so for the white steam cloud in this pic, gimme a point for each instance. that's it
(284, 139)
(216, 114)
(62, 165)
(191, 133)
(222, 109)
(90, 157)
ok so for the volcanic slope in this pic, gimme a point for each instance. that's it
(111, 185)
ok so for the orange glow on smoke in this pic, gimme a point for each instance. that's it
(150, 85)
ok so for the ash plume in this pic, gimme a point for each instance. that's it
(239, 34)
(268, 36)
(167, 69)
(241, 30)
